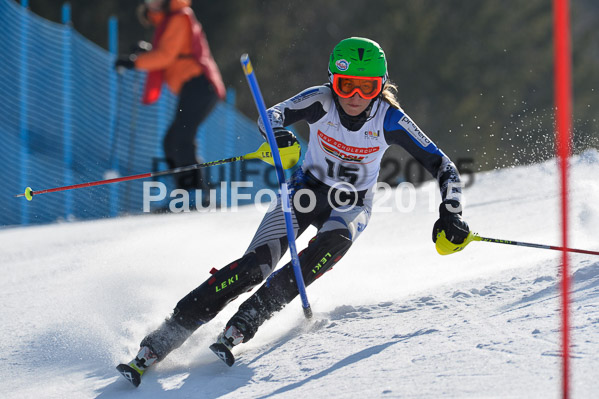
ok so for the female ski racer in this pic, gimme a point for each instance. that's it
(353, 119)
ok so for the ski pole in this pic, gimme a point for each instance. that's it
(446, 247)
(255, 89)
(527, 244)
(263, 153)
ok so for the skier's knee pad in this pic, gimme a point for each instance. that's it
(323, 252)
(226, 284)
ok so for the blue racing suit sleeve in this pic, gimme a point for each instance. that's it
(400, 129)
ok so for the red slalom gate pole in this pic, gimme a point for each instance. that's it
(563, 117)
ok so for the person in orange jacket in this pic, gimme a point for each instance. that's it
(180, 57)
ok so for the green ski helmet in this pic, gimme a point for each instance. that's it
(358, 56)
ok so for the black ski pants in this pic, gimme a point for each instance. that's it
(338, 226)
(196, 101)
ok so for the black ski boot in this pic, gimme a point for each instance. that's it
(136, 367)
(154, 347)
(225, 342)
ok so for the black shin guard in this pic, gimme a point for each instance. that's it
(205, 302)
(323, 252)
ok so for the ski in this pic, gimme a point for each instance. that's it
(131, 373)
(223, 353)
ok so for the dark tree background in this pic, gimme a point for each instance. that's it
(475, 75)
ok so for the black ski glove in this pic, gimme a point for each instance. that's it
(125, 62)
(285, 138)
(450, 220)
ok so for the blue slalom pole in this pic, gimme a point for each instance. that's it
(253, 82)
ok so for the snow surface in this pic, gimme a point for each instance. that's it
(392, 320)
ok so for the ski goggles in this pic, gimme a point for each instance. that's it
(346, 86)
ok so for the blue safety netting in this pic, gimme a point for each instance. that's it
(67, 117)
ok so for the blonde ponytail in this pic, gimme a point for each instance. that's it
(389, 94)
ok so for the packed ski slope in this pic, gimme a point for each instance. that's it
(393, 320)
